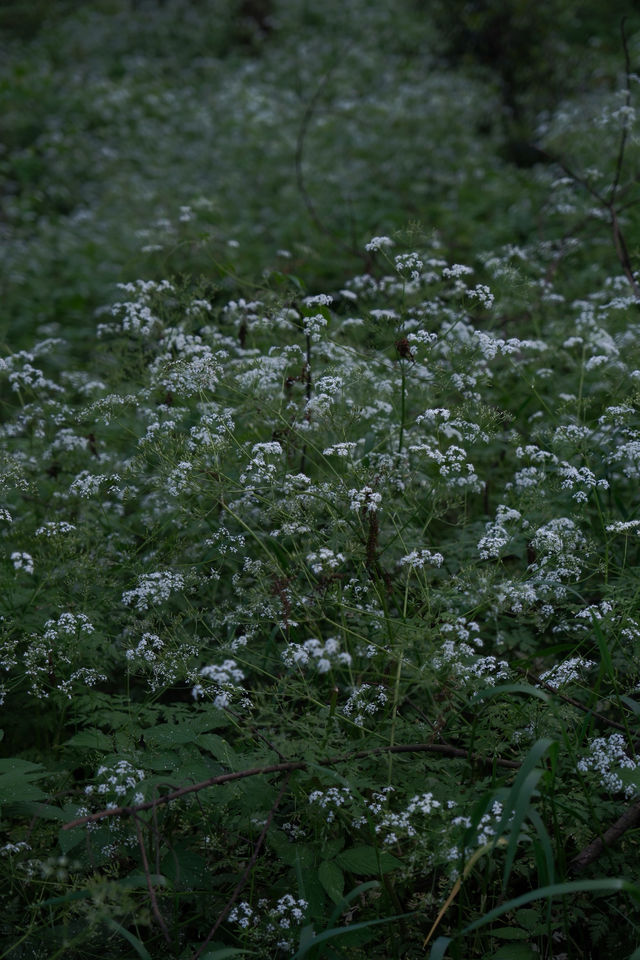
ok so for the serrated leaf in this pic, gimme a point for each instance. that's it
(16, 778)
(363, 861)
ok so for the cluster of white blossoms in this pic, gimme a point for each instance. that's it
(326, 392)
(178, 479)
(324, 560)
(153, 588)
(366, 500)
(322, 656)
(409, 264)
(221, 682)
(260, 469)
(314, 326)
(497, 535)
(418, 558)
(569, 671)
(561, 551)
(459, 655)
(394, 825)
(87, 484)
(331, 800)
(50, 657)
(624, 526)
(378, 243)
(22, 561)
(166, 664)
(365, 701)
(606, 758)
(580, 480)
(55, 528)
(116, 782)
(340, 449)
(272, 925)
(482, 293)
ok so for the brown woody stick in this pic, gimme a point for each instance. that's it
(629, 819)
(444, 749)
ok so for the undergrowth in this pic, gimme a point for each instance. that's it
(320, 631)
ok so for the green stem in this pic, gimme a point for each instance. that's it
(402, 404)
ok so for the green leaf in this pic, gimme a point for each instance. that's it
(510, 933)
(439, 948)
(217, 747)
(613, 885)
(15, 780)
(525, 688)
(91, 739)
(352, 895)
(341, 931)
(633, 705)
(137, 944)
(531, 920)
(515, 951)
(185, 868)
(224, 953)
(43, 810)
(363, 861)
(332, 879)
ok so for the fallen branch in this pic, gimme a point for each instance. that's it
(629, 819)
(441, 748)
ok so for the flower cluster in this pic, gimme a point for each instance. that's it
(153, 589)
(322, 656)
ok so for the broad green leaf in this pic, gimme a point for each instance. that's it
(332, 879)
(16, 778)
(363, 861)
(91, 739)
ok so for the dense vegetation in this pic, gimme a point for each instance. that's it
(320, 385)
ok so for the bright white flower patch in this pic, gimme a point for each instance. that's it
(366, 500)
(378, 243)
(569, 671)
(418, 558)
(322, 656)
(609, 760)
(55, 528)
(221, 682)
(153, 588)
(22, 561)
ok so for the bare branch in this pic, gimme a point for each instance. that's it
(628, 821)
(443, 749)
(245, 873)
